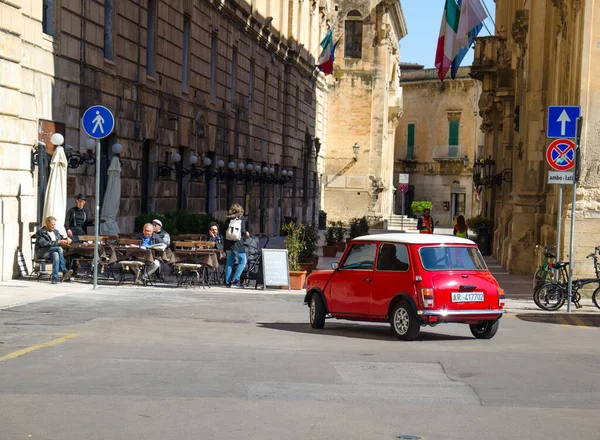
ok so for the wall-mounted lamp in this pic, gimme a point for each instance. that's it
(483, 173)
(75, 159)
(355, 150)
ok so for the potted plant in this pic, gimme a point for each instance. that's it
(483, 227)
(308, 257)
(340, 233)
(418, 206)
(353, 231)
(294, 245)
(330, 248)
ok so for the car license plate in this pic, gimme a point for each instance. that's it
(459, 297)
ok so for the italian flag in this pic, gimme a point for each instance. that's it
(448, 44)
(325, 61)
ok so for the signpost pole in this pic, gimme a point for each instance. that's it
(573, 210)
(558, 228)
(97, 213)
(402, 218)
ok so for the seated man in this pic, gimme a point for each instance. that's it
(387, 259)
(215, 236)
(149, 238)
(47, 245)
(158, 230)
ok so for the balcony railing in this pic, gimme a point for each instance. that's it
(448, 152)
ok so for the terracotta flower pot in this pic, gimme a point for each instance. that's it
(330, 251)
(297, 279)
(307, 267)
(315, 262)
(341, 246)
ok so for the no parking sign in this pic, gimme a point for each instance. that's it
(561, 154)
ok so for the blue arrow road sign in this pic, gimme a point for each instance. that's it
(562, 121)
(98, 122)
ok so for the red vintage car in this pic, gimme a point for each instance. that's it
(408, 280)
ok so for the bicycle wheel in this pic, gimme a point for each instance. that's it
(550, 296)
(542, 276)
(596, 297)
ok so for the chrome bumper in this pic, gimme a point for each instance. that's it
(459, 312)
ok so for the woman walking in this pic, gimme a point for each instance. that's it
(461, 229)
(235, 228)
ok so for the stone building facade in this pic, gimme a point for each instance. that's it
(231, 83)
(543, 53)
(436, 142)
(365, 104)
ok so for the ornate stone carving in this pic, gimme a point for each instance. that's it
(486, 110)
(520, 31)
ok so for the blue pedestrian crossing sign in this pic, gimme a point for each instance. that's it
(562, 121)
(98, 122)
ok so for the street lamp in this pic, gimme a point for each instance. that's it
(356, 149)
(483, 173)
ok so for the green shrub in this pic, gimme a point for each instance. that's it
(294, 243)
(330, 236)
(479, 221)
(340, 231)
(418, 206)
(310, 240)
(180, 222)
(358, 227)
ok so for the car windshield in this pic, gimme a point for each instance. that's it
(451, 258)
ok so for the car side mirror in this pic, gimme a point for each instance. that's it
(335, 266)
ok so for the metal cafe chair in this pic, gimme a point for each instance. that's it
(129, 265)
(186, 272)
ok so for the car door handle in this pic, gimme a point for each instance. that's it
(367, 280)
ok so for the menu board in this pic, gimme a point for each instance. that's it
(275, 268)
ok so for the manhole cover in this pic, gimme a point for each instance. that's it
(408, 437)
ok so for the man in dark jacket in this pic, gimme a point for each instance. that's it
(215, 236)
(78, 219)
(150, 238)
(47, 245)
(158, 230)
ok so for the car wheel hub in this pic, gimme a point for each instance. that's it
(313, 309)
(401, 321)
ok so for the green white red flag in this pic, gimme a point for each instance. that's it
(448, 44)
(325, 61)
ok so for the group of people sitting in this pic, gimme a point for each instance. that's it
(49, 240)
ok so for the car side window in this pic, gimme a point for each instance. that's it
(360, 257)
(393, 257)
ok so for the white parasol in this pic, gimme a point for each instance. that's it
(112, 199)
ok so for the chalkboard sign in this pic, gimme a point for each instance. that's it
(275, 268)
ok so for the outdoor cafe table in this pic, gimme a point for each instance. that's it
(144, 255)
(106, 254)
(207, 257)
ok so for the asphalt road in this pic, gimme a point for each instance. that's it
(127, 363)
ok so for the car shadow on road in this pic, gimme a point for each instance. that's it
(370, 331)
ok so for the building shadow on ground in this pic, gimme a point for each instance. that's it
(381, 332)
(565, 319)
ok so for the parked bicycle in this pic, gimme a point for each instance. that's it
(544, 274)
(551, 296)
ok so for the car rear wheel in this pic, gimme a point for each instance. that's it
(317, 311)
(485, 329)
(405, 325)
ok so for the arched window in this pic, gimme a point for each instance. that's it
(353, 35)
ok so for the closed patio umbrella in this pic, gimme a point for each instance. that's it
(55, 203)
(112, 199)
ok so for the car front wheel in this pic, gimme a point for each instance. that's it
(484, 329)
(405, 325)
(317, 311)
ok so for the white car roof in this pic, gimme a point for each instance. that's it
(410, 238)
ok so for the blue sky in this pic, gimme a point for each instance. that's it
(423, 19)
